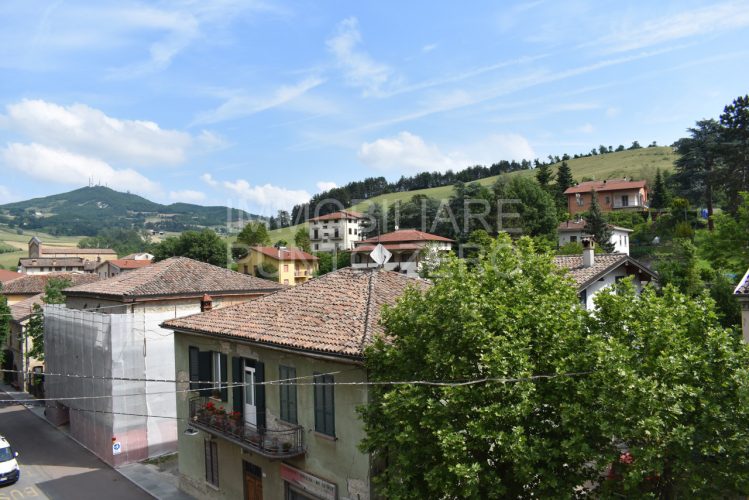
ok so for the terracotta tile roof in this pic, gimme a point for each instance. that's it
(743, 286)
(47, 251)
(405, 235)
(8, 275)
(128, 263)
(343, 214)
(52, 262)
(397, 247)
(21, 311)
(575, 226)
(607, 185)
(175, 276)
(285, 254)
(337, 313)
(602, 264)
(31, 284)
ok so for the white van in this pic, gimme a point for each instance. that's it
(9, 471)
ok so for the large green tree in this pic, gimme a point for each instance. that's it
(35, 328)
(658, 195)
(205, 246)
(564, 182)
(535, 208)
(254, 234)
(4, 322)
(735, 123)
(598, 226)
(123, 241)
(509, 315)
(301, 239)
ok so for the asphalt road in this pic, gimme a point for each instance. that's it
(56, 467)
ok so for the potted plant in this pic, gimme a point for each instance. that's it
(235, 422)
(206, 411)
(219, 417)
(286, 446)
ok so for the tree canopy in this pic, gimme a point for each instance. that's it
(598, 226)
(205, 246)
(35, 329)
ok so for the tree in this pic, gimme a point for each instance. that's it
(4, 322)
(512, 315)
(659, 197)
(301, 239)
(536, 209)
(735, 122)
(254, 234)
(678, 267)
(698, 167)
(35, 329)
(635, 145)
(123, 241)
(205, 246)
(597, 225)
(671, 385)
(564, 182)
(284, 219)
(543, 174)
(281, 243)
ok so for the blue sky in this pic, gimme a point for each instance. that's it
(262, 104)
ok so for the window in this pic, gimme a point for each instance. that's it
(336, 234)
(350, 231)
(324, 404)
(286, 268)
(355, 230)
(625, 200)
(288, 393)
(219, 372)
(584, 298)
(317, 247)
(579, 199)
(208, 373)
(211, 462)
(608, 200)
(317, 234)
(573, 239)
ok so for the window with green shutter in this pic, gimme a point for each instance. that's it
(324, 404)
(287, 393)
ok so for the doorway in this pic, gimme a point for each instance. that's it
(250, 405)
(253, 482)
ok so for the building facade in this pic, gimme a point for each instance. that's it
(286, 424)
(575, 232)
(112, 268)
(407, 247)
(742, 294)
(29, 285)
(288, 266)
(338, 231)
(612, 194)
(19, 345)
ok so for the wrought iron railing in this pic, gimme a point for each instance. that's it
(207, 414)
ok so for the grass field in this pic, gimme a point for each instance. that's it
(635, 164)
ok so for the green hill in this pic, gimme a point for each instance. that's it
(84, 211)
(635, 164)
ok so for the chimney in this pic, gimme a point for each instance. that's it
(588, 252)
(206, 303)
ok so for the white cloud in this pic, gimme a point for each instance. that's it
(208, 179)
(407, 152)
(359, 69)
(5, 196)
(585, 129)
(63, 167)
(326, 186)
(90, 132)
(612, 112)
(703, 21)
(187, 196)
(266, 198)
(428, 48)
(243, 105)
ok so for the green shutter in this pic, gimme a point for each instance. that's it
(260, 393)
(224, 377)
(205, 373)
(193, 364)
(237, 378)
(319, 404)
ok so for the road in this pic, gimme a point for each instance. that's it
(56, 467)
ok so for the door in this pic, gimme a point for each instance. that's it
(250, 405)
(253, 482)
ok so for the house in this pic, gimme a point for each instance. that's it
(111, 268)
(292, 429)
(8, 275)
(19, 345)
(405, 245)
(29, 285)
(38, 250)
(612, 194)
(336, 231)
(46, 265)
(139, 256)
(289, 266)
(593, 272)
(742, 294)
(574, 232)
(109, 333)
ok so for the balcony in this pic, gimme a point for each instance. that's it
(269, 443)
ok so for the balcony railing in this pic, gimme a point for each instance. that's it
(631, 204)
(270, 443)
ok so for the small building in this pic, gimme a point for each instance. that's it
(139, 256)
(108, 332)
(593, 272)
(38, 250)
(29, 285)
(6, 275)
(405, 245)
(112, 268)
(289, 266)
(742, 294)
(612, 194)
(46, 265)
(19, 345)
(337, 231)
(290, 428)
(575, 232)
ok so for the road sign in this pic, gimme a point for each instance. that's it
(116, 448)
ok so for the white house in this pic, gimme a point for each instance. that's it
(337, 231)
(406, 247)
(574, 231)
(593, 272)
(742, 293)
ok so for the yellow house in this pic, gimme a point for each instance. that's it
(288, 266)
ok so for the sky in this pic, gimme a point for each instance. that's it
(261, 104)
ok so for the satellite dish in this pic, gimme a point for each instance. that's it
(380, 255)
